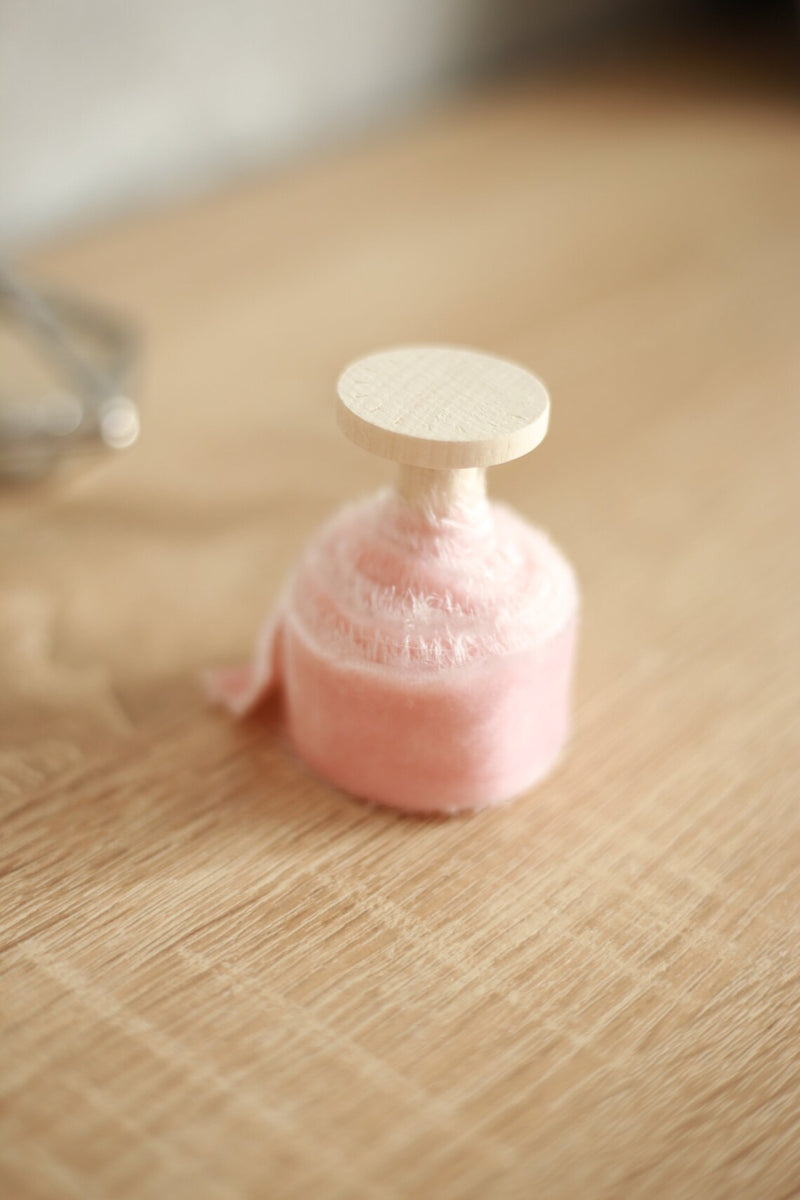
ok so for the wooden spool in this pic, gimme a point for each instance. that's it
(444, 414)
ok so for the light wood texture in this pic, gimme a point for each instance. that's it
(445, 413)
(442, 407)
(438, 492)
(223, 979)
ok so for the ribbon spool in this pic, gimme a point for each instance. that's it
(424, 644)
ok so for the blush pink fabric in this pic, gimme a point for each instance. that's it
(425, 662)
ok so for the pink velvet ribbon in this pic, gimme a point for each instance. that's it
(424, 661)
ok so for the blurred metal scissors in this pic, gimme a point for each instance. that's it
(92, 355)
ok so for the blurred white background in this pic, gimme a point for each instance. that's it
(111, 104)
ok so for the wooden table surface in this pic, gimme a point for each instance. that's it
(220, 977)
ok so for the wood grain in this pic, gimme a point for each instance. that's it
(221, 978)
(442, 407)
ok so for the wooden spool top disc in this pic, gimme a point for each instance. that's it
(442, 407)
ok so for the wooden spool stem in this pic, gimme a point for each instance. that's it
(441, 492)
